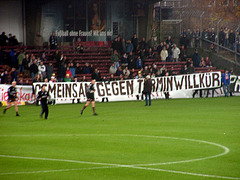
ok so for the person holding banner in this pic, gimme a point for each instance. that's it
(90, 97)
(12, 98)
(147, 89)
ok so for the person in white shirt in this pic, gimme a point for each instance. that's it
(164, 54)
(42, 70)
(175, 53)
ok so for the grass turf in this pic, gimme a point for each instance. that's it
(110, 138)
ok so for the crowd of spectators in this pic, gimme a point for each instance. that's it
(226, 37)
(128, 61)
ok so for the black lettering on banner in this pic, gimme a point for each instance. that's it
(140, 85)
(122, 87)
(215, 79)
(201, 83)
(115, 89)
(169, 83)
(74, 90)
(208, 80)
(107, 88)
(59, 90)
(178, 84)
(63, 91)
(81, 90)
(195, 85)
(186, 79)
(52, 89)
(129, 87)
(37, 88)
(189, 82)
(100, 90)
(153, 85)
(68, 90)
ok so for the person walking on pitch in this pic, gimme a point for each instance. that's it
(42, 96)
(12, 98)
(90, 97)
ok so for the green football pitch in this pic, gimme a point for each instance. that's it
(172, 139)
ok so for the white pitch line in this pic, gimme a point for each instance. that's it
(120, 166)
(226, 150)
(136, 166)
(54, 170)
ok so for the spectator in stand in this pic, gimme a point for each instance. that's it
(143, 54)
(72, 69)
(49, 70)
(34, 69)
(25, 64)
(13, 58)
(143, 44)
(164, 54)
(67, 78)
(131, 64)
(146, 71)
(135, 42)
(232, 40)
(202, 62)
(208, 62)
(150, 54)
(42, 70)
(115, 58)
(121, 78)
(15, 41)
(3, 39)
(169, 50)
(123, 47)
(112, 78)
(126, 72)
(56, 57)
(171, 72)
(184, 69)
(154, 68)
(86, 69)
(196, 58)
(96, 75)
(212, 35)
(183, 54)
(112, 69)
(68, 72)
(53, 41)
(139, 62)
(226, 32)
(125, 60)
(160, 47)
(38, 41)
(132, 74)
(4, 77)
(169, 41)
(53, 78)
(43, 56)
(191, 69)
(205, 34)
(129, 47)
(61, 72)
(91, 68)
(184, 41)
(119, 71)
(78, 69)
(175, 53)
(84, 79)
(226, 82)
(152, 43)
(221, 37)
(10, 39)
(197, 38)
(20, 58)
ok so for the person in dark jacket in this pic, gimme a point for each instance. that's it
(50, 70)
(196, 59)
(53, 41)
(221, 37)
(231, 40)
(96, 75)
(34, 69)
(147, 89)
